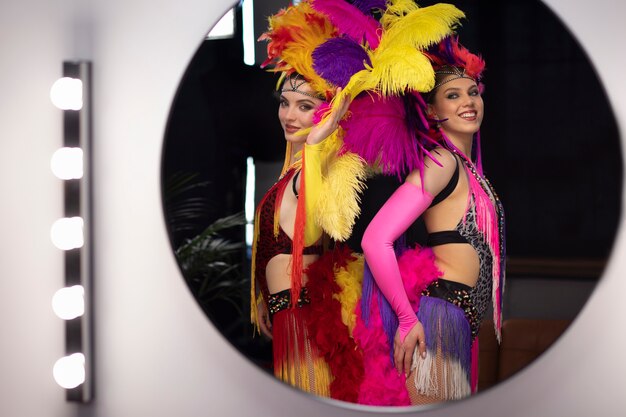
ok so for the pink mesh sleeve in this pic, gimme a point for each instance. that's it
(394, 218)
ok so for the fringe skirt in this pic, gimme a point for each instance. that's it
(445, 373)
(297, 361)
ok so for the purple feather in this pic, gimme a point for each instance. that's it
(366, 6)
(338, 59)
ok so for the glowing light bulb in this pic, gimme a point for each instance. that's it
(67, 163)
(67, 93)
(67, 233)
(69, 371)
(69, 303)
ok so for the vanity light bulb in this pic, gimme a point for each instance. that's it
(67, 163)
(69, 371)
(69, 303)
(67, 93)
(67, 233)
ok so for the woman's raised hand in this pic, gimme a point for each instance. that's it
(326, 127)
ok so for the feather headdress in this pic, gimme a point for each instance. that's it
(449, 52)
(293, 35)
(398, 63)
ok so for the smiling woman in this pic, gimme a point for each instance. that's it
(560, 217)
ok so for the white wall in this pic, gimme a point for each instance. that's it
(157, 355)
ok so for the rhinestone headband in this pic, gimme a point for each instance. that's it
(295, 82)
(456, 71)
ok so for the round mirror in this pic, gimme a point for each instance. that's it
(550, 148)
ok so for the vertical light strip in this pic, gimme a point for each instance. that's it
(74, 372)
(249, 204)
(249, 41)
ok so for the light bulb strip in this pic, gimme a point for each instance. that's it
(77, 203)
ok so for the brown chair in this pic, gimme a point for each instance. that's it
(523, 340)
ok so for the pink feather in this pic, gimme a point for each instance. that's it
(418, 270)
(376, 130)
(382, 385)
(350, 20)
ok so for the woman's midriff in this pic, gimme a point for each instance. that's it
(278, 271)
(458, 262)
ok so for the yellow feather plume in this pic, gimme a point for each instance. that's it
(336, 213)
(395, 10)
(398, 63)
(421, 27)
(400, 68)
(349, 280)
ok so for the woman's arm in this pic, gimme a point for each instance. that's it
(405, 205)
(394, 218)
(314, 166)
(312, 173)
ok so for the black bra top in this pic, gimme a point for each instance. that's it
(293, 184)
(446, 236)
(450, 186)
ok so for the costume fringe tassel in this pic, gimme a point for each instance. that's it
(448, 351)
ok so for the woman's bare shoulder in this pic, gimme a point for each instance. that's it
(437, 171)
(442, 159)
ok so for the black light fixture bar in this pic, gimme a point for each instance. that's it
(77, 132)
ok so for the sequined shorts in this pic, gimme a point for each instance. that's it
(282, 300)
(457, 294)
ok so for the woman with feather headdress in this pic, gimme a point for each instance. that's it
(437, 314)
(288, 238)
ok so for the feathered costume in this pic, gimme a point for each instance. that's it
(381, 54)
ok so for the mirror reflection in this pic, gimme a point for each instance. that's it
(557, 174)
